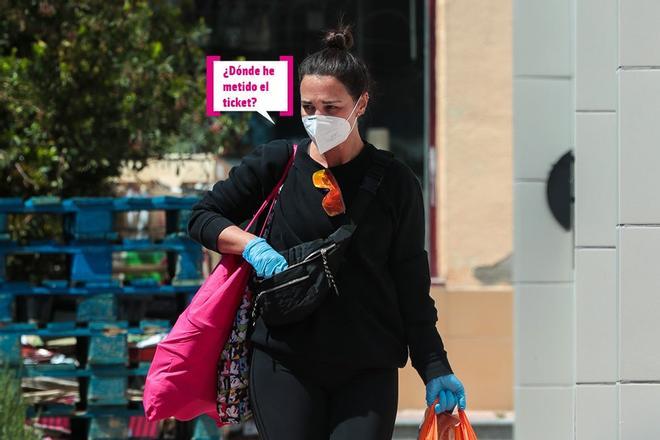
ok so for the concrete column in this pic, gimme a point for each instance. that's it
(638, 225)
(606, 325)
(596, 394)
(544, 105)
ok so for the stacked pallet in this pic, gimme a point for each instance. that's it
(83, 339)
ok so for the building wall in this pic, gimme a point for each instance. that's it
(476, 327)
(544, 301)
(618, 103)
(474, 188)
(596, 374)
(587, 360)
(474, 139)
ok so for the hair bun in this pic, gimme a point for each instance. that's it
(341, 38)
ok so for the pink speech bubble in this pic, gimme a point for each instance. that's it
(255, 86)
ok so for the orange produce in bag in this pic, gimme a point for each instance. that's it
(445, 426)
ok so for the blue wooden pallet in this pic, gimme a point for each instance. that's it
(45, 204)
(127, 304)
(25, 288)
(72, 371)
(92, 259)
(90, 240)
(106, 369)
(112, 422)
(92, 217)
(108, 343)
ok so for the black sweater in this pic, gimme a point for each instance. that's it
(384, 307)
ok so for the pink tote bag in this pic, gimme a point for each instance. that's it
(181, 381)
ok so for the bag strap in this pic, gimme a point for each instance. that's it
(369, 186)
(273, 195)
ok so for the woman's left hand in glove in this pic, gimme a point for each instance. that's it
(448, 390)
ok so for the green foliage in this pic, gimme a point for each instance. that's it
(13, 408)
(86, 86)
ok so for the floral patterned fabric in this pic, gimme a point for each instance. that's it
(233, 398)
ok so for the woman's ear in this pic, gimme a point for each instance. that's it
(363, 107)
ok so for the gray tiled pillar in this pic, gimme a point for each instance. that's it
(606, 325)
(543, 251)
(638, 220)
(596, 187)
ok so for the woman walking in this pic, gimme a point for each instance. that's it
(334, 375)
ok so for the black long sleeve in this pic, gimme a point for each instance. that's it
(384, 308)
(234, 200)
(410, 269)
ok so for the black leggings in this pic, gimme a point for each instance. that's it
(307, 402)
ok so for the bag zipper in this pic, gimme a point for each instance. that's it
(258, 297)
(288, 283)
(317, 253)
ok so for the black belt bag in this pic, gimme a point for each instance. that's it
(293, 294)
(313, 267)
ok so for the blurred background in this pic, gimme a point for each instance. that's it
(107, 99)
(531, 124)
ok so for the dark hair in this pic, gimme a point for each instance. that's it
(336, 60)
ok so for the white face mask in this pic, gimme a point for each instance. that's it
(328, 131)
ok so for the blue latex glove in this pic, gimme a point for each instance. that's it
(265, 260)
(448, 390)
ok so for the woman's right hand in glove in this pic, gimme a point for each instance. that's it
(265, 260)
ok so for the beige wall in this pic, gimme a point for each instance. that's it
(476, 327)
(474, 187)
(475, 143)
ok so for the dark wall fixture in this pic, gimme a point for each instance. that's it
(559, 190)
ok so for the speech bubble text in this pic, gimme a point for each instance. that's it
(249, 86)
